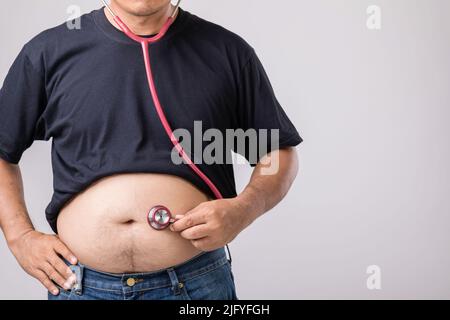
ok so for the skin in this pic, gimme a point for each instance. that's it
(213, 224)
(206, 225)
(144, 17)
(37, 253)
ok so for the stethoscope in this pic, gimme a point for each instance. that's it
(159, 217)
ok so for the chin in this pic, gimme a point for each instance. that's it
(142, 7)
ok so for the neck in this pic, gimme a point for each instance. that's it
(141, 25)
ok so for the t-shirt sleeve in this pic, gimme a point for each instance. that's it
(260, 111)
(22, 102)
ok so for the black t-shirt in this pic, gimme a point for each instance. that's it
(87, 90)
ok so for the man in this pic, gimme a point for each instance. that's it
(87, 90)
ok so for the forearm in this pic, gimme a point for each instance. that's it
(14, 219)
(269, 184)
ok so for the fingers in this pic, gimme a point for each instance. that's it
(202, 244)
(187, 221)
(195, 232)
(57, 270)
(60, 266)
(65, 252)
(69, 277)
(54, 275)
(45, 280)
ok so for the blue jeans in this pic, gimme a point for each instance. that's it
(207, 276)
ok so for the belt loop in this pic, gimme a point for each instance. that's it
(78, 270)
(229, 254)
(176, 284)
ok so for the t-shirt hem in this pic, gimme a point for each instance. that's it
(9, 157)
(291, 141)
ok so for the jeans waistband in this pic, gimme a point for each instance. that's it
(135, 282)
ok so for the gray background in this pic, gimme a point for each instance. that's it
(373, 108)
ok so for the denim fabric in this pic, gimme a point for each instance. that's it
(207, 276)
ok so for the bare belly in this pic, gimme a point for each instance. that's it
(106, 225)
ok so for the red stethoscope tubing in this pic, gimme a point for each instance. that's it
(159, 109)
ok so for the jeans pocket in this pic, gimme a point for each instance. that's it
(62, 295)
(216, 284)
(185, 294)
(231, 271)
(233, 284)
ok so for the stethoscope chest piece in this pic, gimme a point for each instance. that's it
(159, 217)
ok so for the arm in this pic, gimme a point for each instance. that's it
(213, 224)
(14, 219)
(37, 253)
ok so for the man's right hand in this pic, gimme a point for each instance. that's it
(40, 256)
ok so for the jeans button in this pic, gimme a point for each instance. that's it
(131, 282)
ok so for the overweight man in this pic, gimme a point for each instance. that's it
(86, 88)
